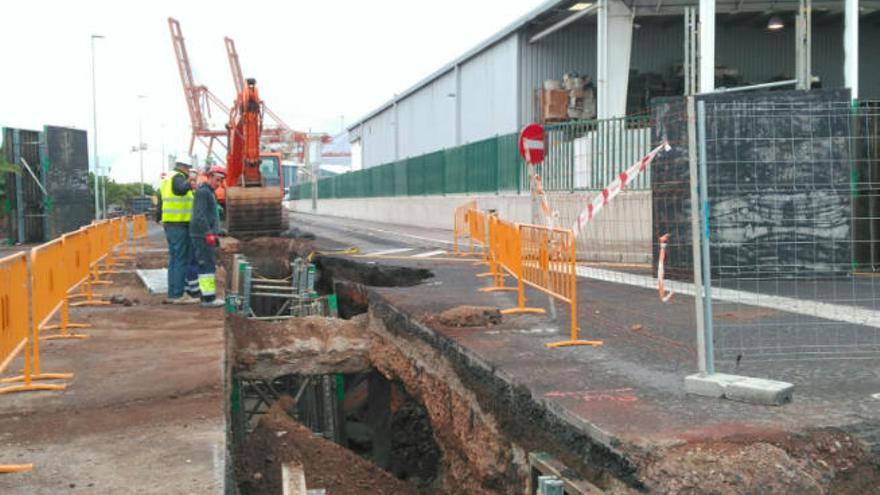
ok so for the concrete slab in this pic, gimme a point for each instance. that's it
(154, 279)
(741, 388)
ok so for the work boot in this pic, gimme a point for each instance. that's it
(216, 303)
(184, 299)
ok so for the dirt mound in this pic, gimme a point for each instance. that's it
(816, 462)
(278, 440)
(469, 316)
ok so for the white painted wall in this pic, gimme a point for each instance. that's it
(357, 155)
(489, 92)
(377, 139)
(427, 118)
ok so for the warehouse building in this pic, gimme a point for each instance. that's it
(618, 54)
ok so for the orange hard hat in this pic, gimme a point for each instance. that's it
(217, 169)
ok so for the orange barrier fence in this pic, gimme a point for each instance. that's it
(549, 262)
(15, 334)
(115, 237)
(48, 293)
(461, 226)
(95, 235)
(139, 231)
(478, 225)
(75, 248)
(506, 257)
(540, 257)
(56, 269)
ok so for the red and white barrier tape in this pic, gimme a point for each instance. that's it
(613, 189)
(549, 214)
(664, 296)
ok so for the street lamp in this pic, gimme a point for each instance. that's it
(141, 145)
(95, 133)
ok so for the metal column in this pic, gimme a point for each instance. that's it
(851, 48)
(707, 46)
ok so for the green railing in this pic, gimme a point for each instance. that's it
(581, 155)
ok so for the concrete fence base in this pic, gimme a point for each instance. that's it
(621, 233)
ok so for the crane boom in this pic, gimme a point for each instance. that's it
(291, 142)
(234, 66)
(197, 97)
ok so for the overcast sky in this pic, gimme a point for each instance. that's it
(316, 62)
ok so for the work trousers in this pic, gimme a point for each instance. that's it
(206, 262)
(179, 252)
(192, 274)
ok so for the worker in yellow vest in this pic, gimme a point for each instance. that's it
(175, 211)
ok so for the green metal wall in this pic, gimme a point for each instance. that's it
(494, 166)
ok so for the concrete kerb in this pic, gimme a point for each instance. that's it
(740, 388)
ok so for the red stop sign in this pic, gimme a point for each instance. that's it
(531, 144)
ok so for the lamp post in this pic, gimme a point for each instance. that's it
(97, 185)
(141, 145)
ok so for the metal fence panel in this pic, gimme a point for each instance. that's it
(581, 156)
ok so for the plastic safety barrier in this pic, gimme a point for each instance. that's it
(75, 248)
(548, 264)
(48, 292)
(15, 334)
(95, 233)
(461, 226)
(505, 250)
(139, 232)
(478, 225)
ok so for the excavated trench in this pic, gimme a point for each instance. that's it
(374, 401)
(391, 400)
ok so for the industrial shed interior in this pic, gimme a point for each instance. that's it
(567, 60)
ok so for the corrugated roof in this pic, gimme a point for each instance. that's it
(548, 10)
(488, 42)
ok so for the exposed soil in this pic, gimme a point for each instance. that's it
(467, 316)
(278, 439)
(477, 459)
(814, 462)
(413, 450)
(746, 314)
(305, 346)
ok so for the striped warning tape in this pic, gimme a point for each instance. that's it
(664, 296)
(613, 189)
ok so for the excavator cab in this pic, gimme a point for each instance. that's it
(270, 170)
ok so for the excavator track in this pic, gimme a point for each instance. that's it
(254, 212)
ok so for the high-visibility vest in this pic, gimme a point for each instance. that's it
(175, 208)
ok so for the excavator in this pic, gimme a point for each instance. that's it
(251, 195)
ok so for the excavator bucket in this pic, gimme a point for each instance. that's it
(254, 212)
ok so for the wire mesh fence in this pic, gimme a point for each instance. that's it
(791, 187)
(791, 220)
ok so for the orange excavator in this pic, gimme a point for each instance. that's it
(251, 196)
(252, 192)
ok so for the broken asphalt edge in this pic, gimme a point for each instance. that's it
(541, 424)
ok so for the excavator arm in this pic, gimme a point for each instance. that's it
(252, 194)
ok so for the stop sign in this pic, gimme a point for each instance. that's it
(531, 144)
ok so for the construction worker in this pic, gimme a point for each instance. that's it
(174, 210)
(192, 269)
(204, 232)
